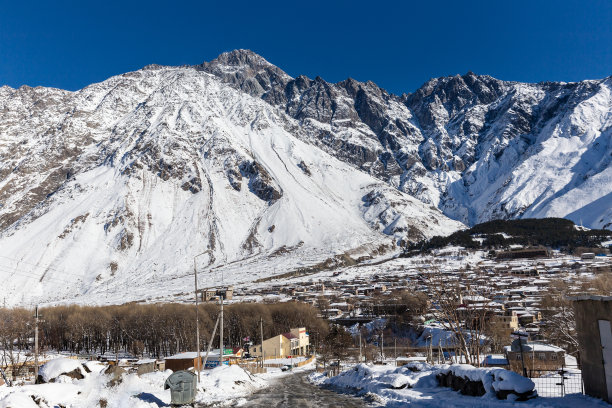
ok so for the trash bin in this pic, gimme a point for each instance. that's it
(182, 386)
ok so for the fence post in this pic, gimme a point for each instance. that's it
(563, 379)
(579, 367)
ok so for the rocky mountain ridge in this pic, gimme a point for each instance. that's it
(109, 192)
(467, 144)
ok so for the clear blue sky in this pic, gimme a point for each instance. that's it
(398, 45)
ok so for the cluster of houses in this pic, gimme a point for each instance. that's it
(292, 344)
(507, 287)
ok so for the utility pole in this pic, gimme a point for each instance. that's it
(36, 345)
(360, 356)
(395, 350)
(195, 274)
(262, 339)
(212, 337)
(221, 296)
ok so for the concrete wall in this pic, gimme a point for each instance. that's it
(588, 312)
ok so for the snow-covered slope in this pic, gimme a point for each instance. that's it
(108, 193)
(476, 147)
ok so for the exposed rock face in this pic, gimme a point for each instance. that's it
(476, 147)
(260, 182)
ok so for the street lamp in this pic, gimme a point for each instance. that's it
(195, 274)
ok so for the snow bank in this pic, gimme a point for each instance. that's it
(55, 368)
(224, 381)
(417, 383)
(94, 366)
(495, 381)
(219, 385)
(18, 401)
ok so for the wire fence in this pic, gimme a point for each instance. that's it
(557, 383)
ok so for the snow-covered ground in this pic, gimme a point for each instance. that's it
(219, 385)
(224, 385)
(416, 384)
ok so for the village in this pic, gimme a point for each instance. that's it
(452, 307)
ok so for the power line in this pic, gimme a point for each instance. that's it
(37, 266)
(32, 275)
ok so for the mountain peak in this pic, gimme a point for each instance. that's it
(240, 57)
(247, 70)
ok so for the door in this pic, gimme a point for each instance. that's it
(605, 333)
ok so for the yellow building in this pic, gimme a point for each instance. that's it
(294, 343)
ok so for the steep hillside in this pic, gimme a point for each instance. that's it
(108, 193)
(476, 147)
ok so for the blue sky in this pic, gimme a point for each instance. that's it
(399, 45)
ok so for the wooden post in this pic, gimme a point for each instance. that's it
(36, 345)
(195, 276)
(262, 339)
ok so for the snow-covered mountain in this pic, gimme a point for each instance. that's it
(107, 193)
(476, 147)
(111, 191)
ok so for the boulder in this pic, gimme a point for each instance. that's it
(115, 373)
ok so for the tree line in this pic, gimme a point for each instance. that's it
(155, 330)
(557, 233)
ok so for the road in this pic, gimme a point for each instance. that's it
(294, 390)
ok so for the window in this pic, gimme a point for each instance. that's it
(553, 356)
(518, 357)
(542, 356)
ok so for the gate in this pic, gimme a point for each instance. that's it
(558, 383)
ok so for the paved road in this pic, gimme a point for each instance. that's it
(294, 390)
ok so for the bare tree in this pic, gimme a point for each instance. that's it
(558, 314)
(462, 310)
(336, 346)
(15, 333)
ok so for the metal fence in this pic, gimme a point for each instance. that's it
(558, 383)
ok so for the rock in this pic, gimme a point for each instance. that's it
(115, 373)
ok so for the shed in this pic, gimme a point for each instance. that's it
(184, 361)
